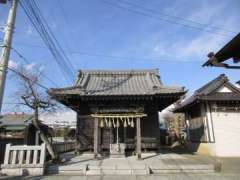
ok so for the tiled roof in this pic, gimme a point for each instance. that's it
(19, 122)
(124, 82)
(208, 92)
(11, 121)
(212, 85)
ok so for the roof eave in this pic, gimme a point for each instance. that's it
(230, 50)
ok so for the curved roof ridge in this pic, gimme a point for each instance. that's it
(119, 71)
(212, 85)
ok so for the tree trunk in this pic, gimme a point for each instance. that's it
(42, 135)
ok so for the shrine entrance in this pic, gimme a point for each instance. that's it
(120, 131)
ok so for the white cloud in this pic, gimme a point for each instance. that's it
(54, 24)
(29, 66)
(29, 30)
(12, 64)
(41, 68)
(160, 50)
(196, 47)
(201, 45)
(206, 13)
(187, 45)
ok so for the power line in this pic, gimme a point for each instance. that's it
(128, 57)
(53, 36)
(28, 62)
(146, 14)
(64, 15)
(175, 17)
(34, 14)
(82, 53)
(25, 77)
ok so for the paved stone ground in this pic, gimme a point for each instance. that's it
(230, 165)
(186, 176)
(230, 171)
(157, 163)
(148, 158)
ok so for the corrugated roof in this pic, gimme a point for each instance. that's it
(121, 82)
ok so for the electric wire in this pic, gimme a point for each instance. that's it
(146, 14)
(177, 17)
(28, 62)
(35, 16)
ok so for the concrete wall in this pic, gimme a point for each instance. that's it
(222, 131)
(227, 133)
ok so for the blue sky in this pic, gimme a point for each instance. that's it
(97, 35)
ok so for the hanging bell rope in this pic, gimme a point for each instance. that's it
(122, 119)
(101, 123)
(116, 120)
(114, 124)
(125, 123)
(132, 123)
(118, 123)
(129, 122)
(106, 122)
(109, 122)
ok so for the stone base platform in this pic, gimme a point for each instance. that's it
(150, 164)
(22, 170)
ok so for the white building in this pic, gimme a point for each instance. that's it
(212, 116)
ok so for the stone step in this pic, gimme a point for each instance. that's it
(66, 170)
(118, 170)
(210, 168)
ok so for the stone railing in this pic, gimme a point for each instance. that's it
(24, 160)
(61, 147)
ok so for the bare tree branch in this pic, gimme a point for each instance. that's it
(32, 95)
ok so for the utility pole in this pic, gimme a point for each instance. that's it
(6, 47)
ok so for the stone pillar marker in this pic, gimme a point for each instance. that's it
(95, 137)
(138, 137)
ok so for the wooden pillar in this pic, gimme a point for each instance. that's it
(138, 138)
(95, 137)
(110, 135)
(124, 134)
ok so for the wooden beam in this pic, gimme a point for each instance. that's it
(95, 137)
(139, 138)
